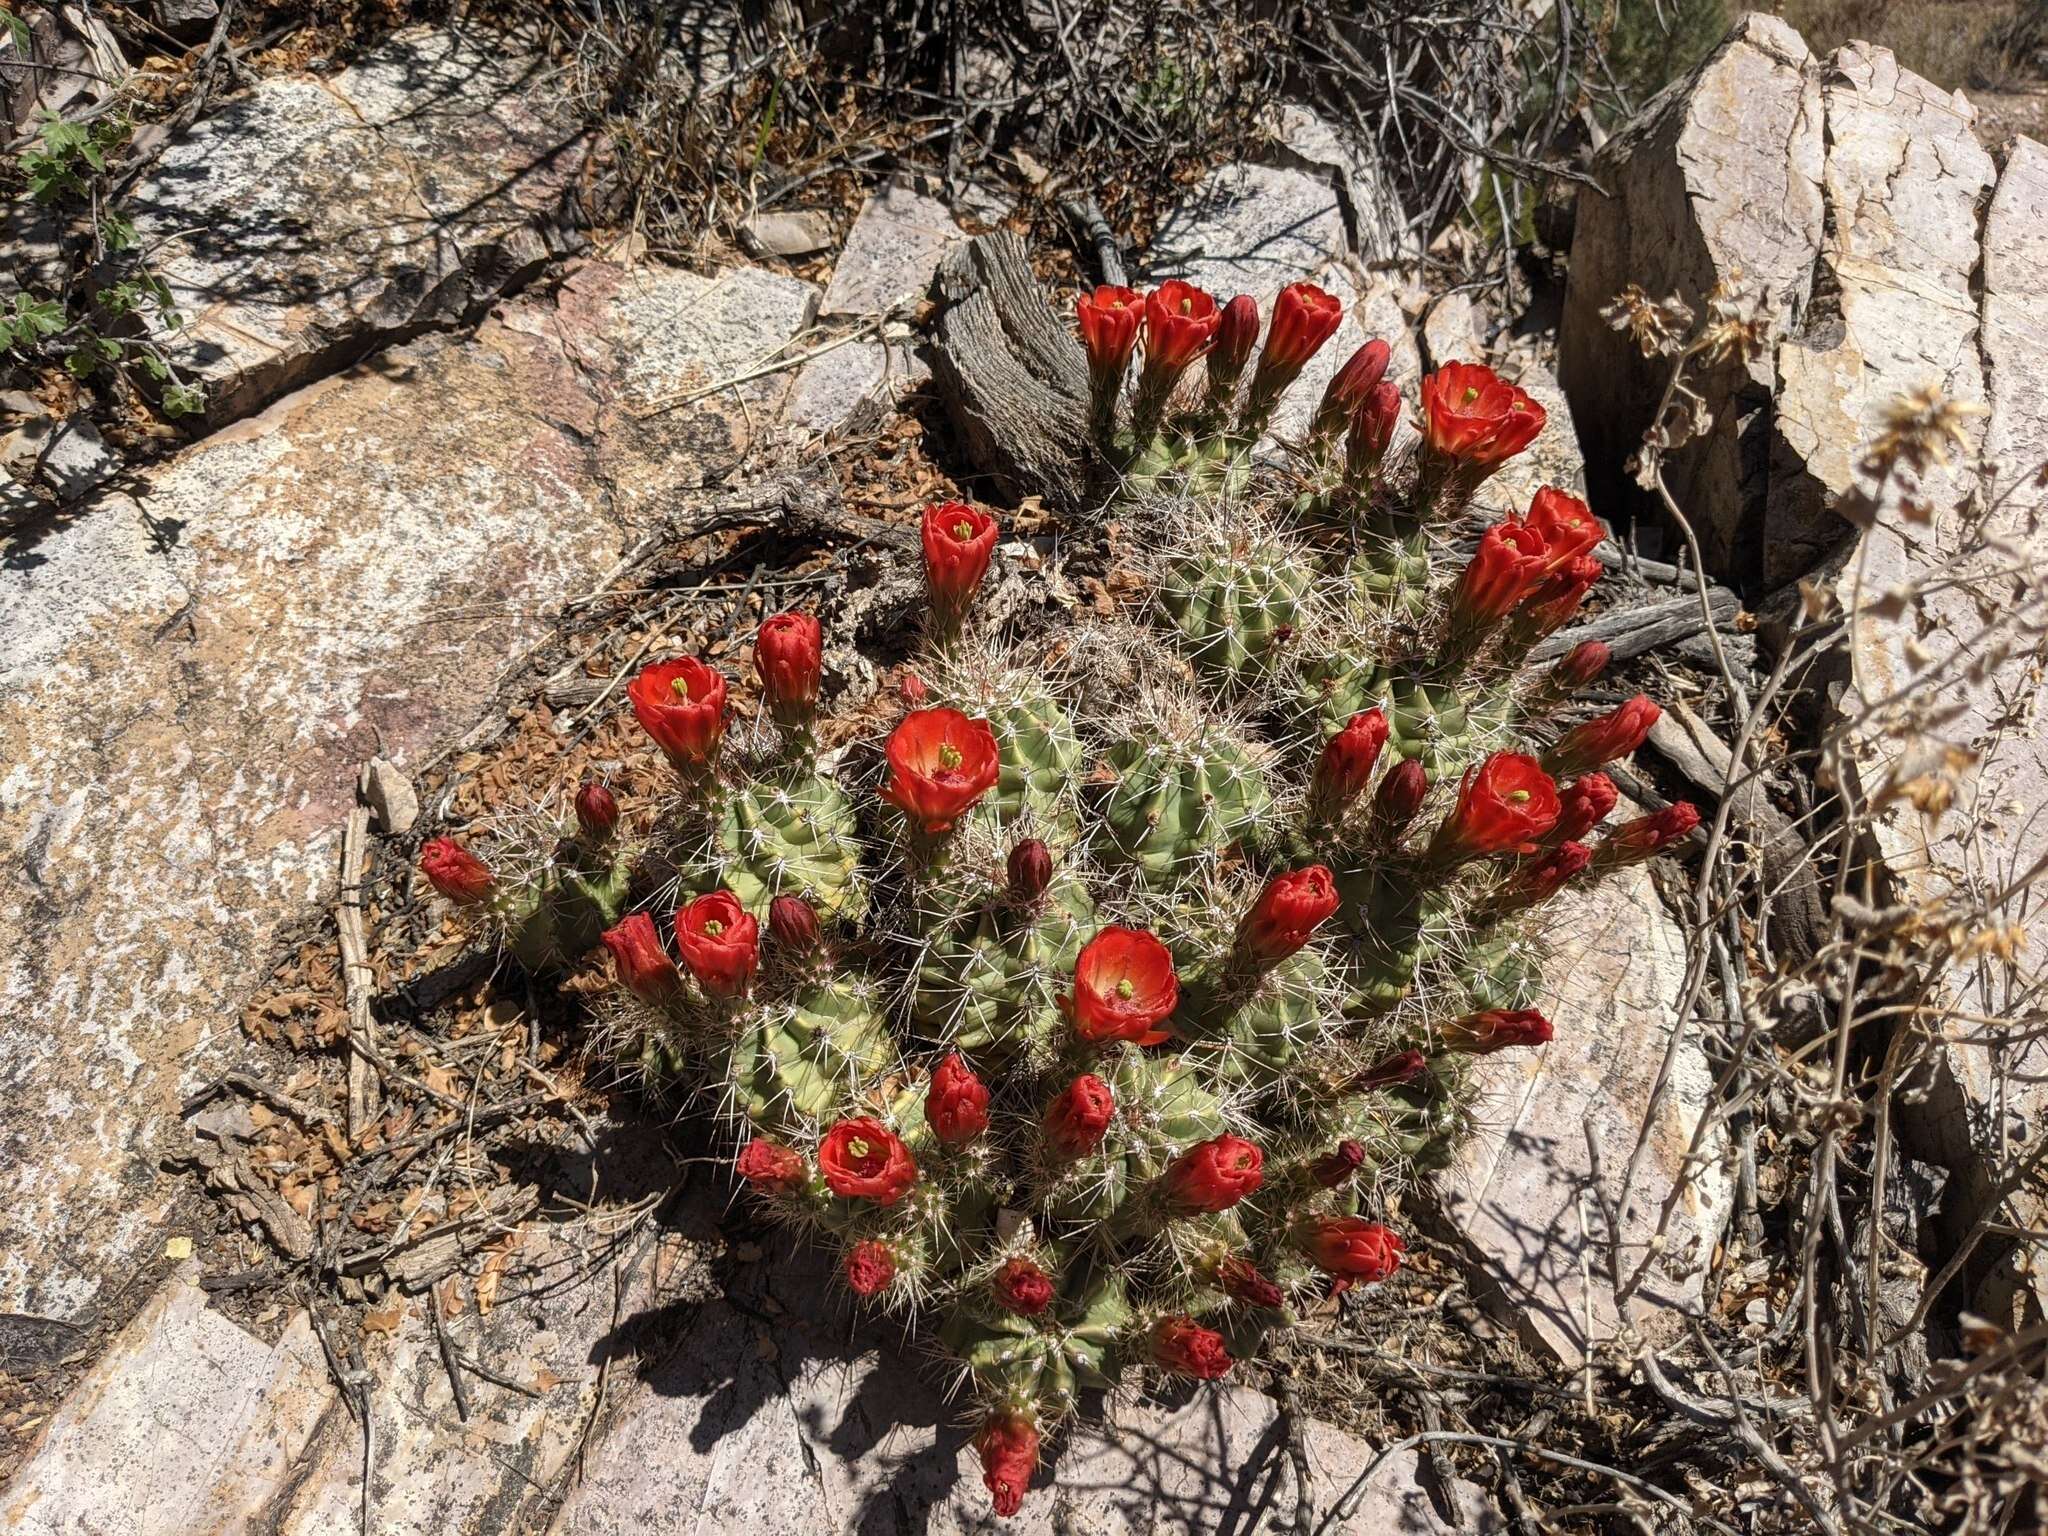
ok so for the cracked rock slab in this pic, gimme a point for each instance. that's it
(312, 219)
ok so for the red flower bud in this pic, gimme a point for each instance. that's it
(1235, 336)
(794, 923)
(911, 689)
(1030, 869)
(597, 809)
(1304, 317)
(770, 1166)
(1124, 986)
(1346, 765)
(1020, 1286)
(719, 941)
(1505, 805)
(862, 1159)
(1239, 1279)
(1473, 417)
(1287, 913)
(788, 653)
(1567, 524)
(1582, 805)
(956, 1103)
(1109, 318)
(1494, 1029)
(681, 704)
(1507, 563)
(1553, 600)
(1180, 326)
(958, 540)
(1350, 1247)
(1543, 878)
(1213, 1175)
(643, 966)
(1603, 739)
(870, 1266)
(1337, 1165)
(1077, 1120)
(1580, 665)
(1646, 836)
(1372, 430)
(1185, 1348)
(1008, 1448)
(1401, 1067)
(940, 763)
(1399, 797)
(1351, 387)
(455, 872)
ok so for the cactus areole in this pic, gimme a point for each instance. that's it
(1090, 1012)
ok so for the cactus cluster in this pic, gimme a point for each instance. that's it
(1098, 1034)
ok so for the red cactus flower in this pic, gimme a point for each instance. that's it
(1580, 665)
(794, 923)
(1399, 797)
(1110, 317)
(1030, 869)
(597, 809)
(1020, 1286)
(1124, 986)
(1472, 416)
(1582, 805)
(1552, 601)
(455, 872)
(1346, 765)
(1508, 562)
(1180, 326)
(1008, 1448)
(770, 1166)
(940, 763)
(870, 1266)
(1240, 1279)
(1543, 878)
(1337, 1165)
(862, 1159)
(1237, 333)
(1401, 1067)
(1184, 1347)
(1372, 430)
(1304, 317)
(958, 540)
(956, 1102)
(1494, 1029)
(1567, 524)
(1350, 1247)
(1351, 387)
(1603, 739)
(643, 966)
(1077, 1120)
(1646, 836)
(720, 943)
(1505, 805)
(681, 704)
(1287, 914)
(1213, 1175)
(788, 653)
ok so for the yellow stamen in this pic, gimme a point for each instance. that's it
(949, 756)
(1124, 989)
(858, 1146)
(1471, 394)
(713, 927)
(963, 531)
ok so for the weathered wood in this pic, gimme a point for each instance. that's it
(1014, 379)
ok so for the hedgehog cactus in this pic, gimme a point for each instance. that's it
(1098, 1033)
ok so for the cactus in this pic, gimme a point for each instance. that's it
(1092, 1039)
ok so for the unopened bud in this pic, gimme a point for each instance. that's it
(1030, 869)
(1338, 1164)
(912, 690)
(1581, 664)
(1400, 796)
(597, 811)
(794, 924)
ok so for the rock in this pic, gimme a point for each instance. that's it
(798, 232)
(186, 20)
(69, 456)
(389, 794)
(311, 220)
(854, 384)
(891, 252)
(193, 670)
(1372, 211)
(1553, 459)
(1450, 331)
(1514, 1194)
(1721, 173)
(1252, 229)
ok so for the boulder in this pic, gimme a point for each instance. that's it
(310, 220)
(891, 252)
(194, 668)
(852, 386)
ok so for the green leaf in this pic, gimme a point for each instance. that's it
(154, 366)
(119, 233)
(183, 400)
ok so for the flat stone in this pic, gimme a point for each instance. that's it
(891, 252)
(191, 677)
(70, 457)
(854, 384)
(1450, 331)
(310, 220)
(387, 790)
(1516, 1193)
(1372, 209)
(1252, 229)
(797, 232)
